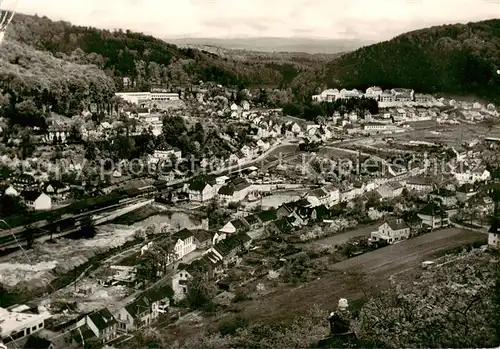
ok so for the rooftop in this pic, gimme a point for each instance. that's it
(10, 322)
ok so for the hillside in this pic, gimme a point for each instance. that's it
(31, 80)
(457, 59)
(146, 60)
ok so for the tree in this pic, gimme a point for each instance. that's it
(200, 291)
(449, 306)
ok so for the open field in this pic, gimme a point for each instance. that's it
(379, 265)
(449, 134)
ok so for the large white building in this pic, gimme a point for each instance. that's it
(15, 324)
(142, 97)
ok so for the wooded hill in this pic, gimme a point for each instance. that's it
(453, 59)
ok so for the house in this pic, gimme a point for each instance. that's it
(392, 231)
(235, 191)
(184, 243)
(202, 238)
(165, 154)
(17, 324)
(200, 190)
(445, 196)
(234, 226)
(57, 190)
(11, 191)
(99, 324)
(253, 222)
(145, 308)
(36, 342)
(245, 105)
(24, 181)
(333, 195)
(477, 106)
(422, 98)
(280, 226)
(494, 234)
(390, 189)
(247, 151)
(373, 92)
(266, 217)
(319, 197)
(401, 114)
(419, 184)
(464, 173)
(228, 249)
(434, 216)
(413, 221)
(465, 192)
(387, 96)
(36, 200)
(180, 281)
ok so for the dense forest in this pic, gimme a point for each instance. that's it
(456, 59)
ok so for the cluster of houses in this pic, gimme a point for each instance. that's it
(375, 92)
(38, 196)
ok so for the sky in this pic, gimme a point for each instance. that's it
(328, 19)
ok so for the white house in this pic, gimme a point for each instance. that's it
(233, 227)
(464, 173)
(200, 191)
(235, 191)
(36, 200)
(165, 154)
(179, 283)
(392, 231)
(494, 235)
(390, 190)
(234, 107)
(245, 105)
(418, 184)
(247, 151)
(373, 92)
(318, 197)
(11, 191)
(434, 216)
(184, 243)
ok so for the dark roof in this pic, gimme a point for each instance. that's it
(182, 234)
(412, 218)
(56, 185)
(433, 209)
(397, 224)
(201, 235)
(229, 244)
(495, 226)
(283, 225)
(443, 192)
(30, 195)
(25, 178)
(35, 342)
(228, 189)
(266, 216)
(159, 293)
(252, 219)
(419, 181)
(102, 319)
(466, 188)
(319, 193)
(321, 211)
(138, 307)
(198, 184)
(394, 185)
(238, 224)
(82, 331)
